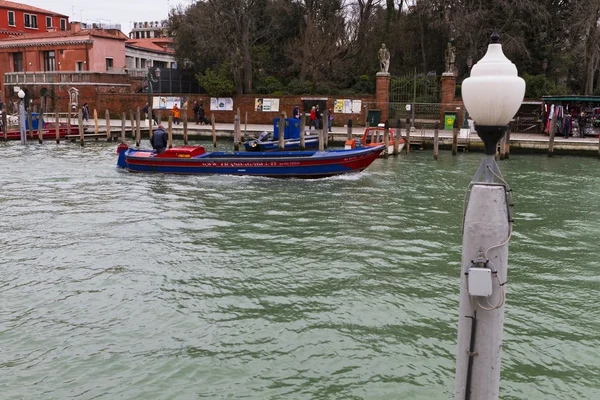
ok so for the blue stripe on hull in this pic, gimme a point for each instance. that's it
(331, 169)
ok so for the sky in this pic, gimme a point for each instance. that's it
(123, 12)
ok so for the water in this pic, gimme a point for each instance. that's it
(117, 285)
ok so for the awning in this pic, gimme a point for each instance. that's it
(590, 99)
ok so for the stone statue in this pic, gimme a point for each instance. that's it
(450, 57)
(384, 58)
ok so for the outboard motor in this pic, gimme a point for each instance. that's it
(121, 151)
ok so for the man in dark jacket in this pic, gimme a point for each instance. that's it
(159, 140)
(581, 121)
(201, 114)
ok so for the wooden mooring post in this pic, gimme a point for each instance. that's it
(41, 128)
(407, 146)
(30, 124)
(281, 132)
(325, 123)
(138, 128)
(436, 140)
(503, 147)
(397, 138)
(57, 124)
(214, 131)
(246, 125)
(302, 132)
(236, 130)
(349, 130)
(507, 145)
(386, 137)
(551, 138)
(68, 120)
(321, 134)
(123, 125)
(170, 133)
(80, 126)
(95, 122)
(132, 121)
(107, 118)
(185, 127)
(455, 137)
(4, 122)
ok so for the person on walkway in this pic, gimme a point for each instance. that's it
(296, 112)
(176, 114)
(581, 121)
(330, 113)
(145, 111)
(197, 112)
(313, 118)
(85, 112)
(201, 116)
(159, 140)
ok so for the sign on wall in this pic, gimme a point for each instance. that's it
(166, 102)
(221, 104)
(267, 105)
(347, 106)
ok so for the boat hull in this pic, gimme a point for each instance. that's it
(274, 164)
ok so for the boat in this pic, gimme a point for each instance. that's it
(291, 137)
(48, 132)
(373, 136)
(280, 164)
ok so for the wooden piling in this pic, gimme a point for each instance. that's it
(138, 128)
(325, 123)
(236, 130)
(436, 140)
(30, 124)
(502, 147)
(397, 137)
(57, 124)
(123, 125)
(246, 125)
(302, 133)
(132, 120)
(407, 146)
(349, 130)
(158, 115)
(185, 127)
(214, 131)
(107, 117)
(68, 120)
(80, 125)
(170, 131)
(322, 135)
(507, 145)
(41, 128)
(4, 122)
(455, 138)
(386, 136)
(551, 139)
(281, 126)
(95, 122)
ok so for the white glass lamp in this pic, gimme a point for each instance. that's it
(493, 94)
(21, 94)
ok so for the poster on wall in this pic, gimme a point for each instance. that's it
(356, 106)
(338, 106)
(221, 104)
(166, 102)
(268, 105)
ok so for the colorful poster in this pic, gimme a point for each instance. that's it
(268, 105)
(221, 103)
(166, 102)
(338, 106)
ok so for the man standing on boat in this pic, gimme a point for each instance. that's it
(159, 140)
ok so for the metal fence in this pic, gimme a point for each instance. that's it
(175, 81)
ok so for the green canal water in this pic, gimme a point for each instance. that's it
(117, 285)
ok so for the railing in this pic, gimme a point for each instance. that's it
(65, 77)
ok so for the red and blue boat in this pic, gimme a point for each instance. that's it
(194, 160)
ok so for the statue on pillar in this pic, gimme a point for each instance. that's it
(450, 57)
(384, 58)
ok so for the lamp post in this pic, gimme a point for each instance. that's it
(492, 95)
(469, 63)
(22, 117)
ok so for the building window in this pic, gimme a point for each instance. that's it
(18, 62)
(30, 21)
(63, 24)
(11, 18)
(109, 64)
(79, 66)
(49, 61)
(48, 22)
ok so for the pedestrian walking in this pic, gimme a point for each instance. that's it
(197, 112)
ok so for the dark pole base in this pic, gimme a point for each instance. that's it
(490, 135)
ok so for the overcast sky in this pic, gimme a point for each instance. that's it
(123, 12)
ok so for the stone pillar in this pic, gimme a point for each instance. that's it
(448, 90)
(382, 94)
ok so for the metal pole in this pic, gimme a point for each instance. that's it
(414, 98)
(22, 122)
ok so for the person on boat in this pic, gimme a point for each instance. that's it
(159, 140)
(176, 114)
